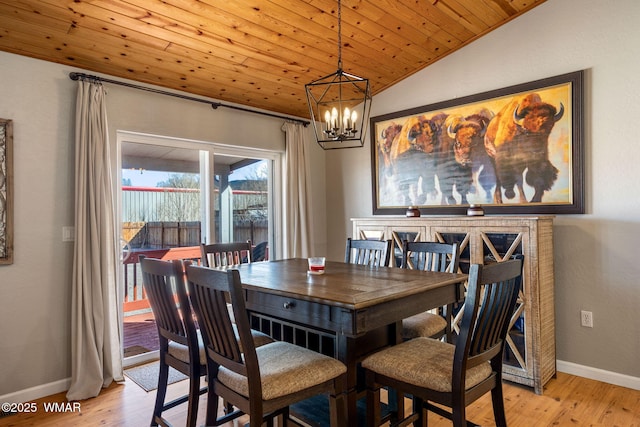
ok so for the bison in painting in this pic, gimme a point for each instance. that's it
(517, 140)
(464, 163)
(411, 158)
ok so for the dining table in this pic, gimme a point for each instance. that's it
(347, 312)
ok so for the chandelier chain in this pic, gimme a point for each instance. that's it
(339, 35)
(339, 104)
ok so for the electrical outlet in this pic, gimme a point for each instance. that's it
(586, 319)
(68, 233)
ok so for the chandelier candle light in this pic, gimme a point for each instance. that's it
(344, 101)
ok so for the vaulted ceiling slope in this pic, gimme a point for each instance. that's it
(257, 53)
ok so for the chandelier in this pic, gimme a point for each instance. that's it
(339, 105)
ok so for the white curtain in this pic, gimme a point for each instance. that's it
(297, 212)
(96, 358)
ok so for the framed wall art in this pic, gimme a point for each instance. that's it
(516, 150)
(6, 198)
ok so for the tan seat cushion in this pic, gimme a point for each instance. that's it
(284, 369)
(181, 351)
(423, 325)
(424, 362)
(260, 339)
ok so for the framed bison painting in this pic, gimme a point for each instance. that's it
(516, 150)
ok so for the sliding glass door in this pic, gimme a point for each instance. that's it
(176, 194)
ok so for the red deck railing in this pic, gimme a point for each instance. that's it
(134, 295)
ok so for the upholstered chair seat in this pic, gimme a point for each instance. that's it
(424, 362)
(181, 352)
(285, 369)
(423, 325)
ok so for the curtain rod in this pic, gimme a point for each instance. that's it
(214, 105)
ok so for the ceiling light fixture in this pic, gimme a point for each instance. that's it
(339, 104)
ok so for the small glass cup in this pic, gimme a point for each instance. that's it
(316, 265)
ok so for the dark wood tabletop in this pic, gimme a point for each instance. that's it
(343, 285)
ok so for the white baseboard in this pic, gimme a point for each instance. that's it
(139, 359)
(598, 374)
(37, 392)
(55, 387)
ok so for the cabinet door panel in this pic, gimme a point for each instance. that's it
(400, 234)
(370, 233)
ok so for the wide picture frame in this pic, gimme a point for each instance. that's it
(515, 150)
(6, 191)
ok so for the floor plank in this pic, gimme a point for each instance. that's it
(567, 401)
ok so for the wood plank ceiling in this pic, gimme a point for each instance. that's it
(257, 53)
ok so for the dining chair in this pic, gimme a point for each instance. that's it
(181, 346)
(220, 255)
(433, 371)
(429, 256)
(264, 381)
(375, 253)
(259, 252)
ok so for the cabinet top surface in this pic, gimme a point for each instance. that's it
(456, 218)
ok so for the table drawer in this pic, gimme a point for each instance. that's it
(312, 313)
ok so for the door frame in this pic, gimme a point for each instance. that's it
(208, 151)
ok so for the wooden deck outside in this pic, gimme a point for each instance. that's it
(134, 296)
(139, 330)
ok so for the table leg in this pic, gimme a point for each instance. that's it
(345, 353)
(351, 350)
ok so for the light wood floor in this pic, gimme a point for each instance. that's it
(567, 401)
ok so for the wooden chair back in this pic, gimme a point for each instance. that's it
(491, 299)
(209, 290)
(221, 255)
(430, 256)
(164, 284)
(259, 253)
(374, 253)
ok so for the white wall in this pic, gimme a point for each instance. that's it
(596, 253)
(35, 291)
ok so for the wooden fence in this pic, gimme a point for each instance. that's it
(172, 234)
(162, 234)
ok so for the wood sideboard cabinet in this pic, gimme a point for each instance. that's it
(530, 356)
